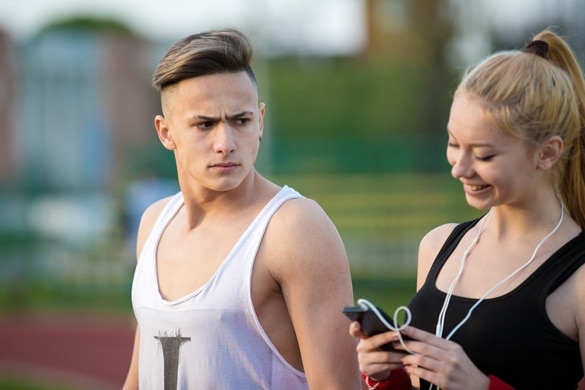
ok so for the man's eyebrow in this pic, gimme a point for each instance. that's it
(205, 118)
(217, 119)
(240, 115)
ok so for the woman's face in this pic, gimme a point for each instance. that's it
(494, 167)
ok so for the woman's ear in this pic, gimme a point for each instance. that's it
(550, 151)
(164, 132)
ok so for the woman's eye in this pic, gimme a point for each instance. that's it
(486, 158)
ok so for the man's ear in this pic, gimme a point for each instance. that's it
(550, 151)
(261, 113)
(164, 132)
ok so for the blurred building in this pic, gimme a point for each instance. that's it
(75, 108)
(84, 104)
(8, 78)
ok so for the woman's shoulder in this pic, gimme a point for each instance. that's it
(429, 248)
(437, 236)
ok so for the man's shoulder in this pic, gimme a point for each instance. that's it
(151, 215)
(155, 209)
(301, 220)
(301, 210)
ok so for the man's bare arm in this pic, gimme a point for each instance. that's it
(314, 275)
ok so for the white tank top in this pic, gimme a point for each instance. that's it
(211, 338)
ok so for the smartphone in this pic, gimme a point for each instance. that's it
(370, 323)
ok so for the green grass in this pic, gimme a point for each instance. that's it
(11, 382)
(39, 295)
(385, 293)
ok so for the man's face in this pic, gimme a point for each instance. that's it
(213, 124)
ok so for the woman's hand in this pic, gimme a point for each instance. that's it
(441, 362)
(374, 362)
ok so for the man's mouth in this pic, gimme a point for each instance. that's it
(224, 165)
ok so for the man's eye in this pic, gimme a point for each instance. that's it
(242, 121)
(486, 158)
(204, 125)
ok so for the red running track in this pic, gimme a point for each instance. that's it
(87, 353)
(82, 352)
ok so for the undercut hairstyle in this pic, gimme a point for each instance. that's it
(211, 52)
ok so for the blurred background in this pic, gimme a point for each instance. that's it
(357, 94)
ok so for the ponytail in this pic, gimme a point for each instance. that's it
(571, 184)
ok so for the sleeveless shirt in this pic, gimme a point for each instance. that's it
(210, 338)
(510, 336)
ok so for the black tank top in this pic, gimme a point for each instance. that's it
(509, 336)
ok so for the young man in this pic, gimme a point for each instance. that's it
(240, 283)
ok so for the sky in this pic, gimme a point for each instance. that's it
(325, 27)
(331, 25)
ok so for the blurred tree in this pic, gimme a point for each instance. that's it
(435, 26)
(417, 33)
(384, 110)
(89, 23)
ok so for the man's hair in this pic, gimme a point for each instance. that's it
(211, 52)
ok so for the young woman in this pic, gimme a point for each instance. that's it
(501, 299)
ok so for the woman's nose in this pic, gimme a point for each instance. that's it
(461, 167)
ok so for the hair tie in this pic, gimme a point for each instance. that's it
(540, 48)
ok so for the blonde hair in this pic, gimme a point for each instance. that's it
(534, 94)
